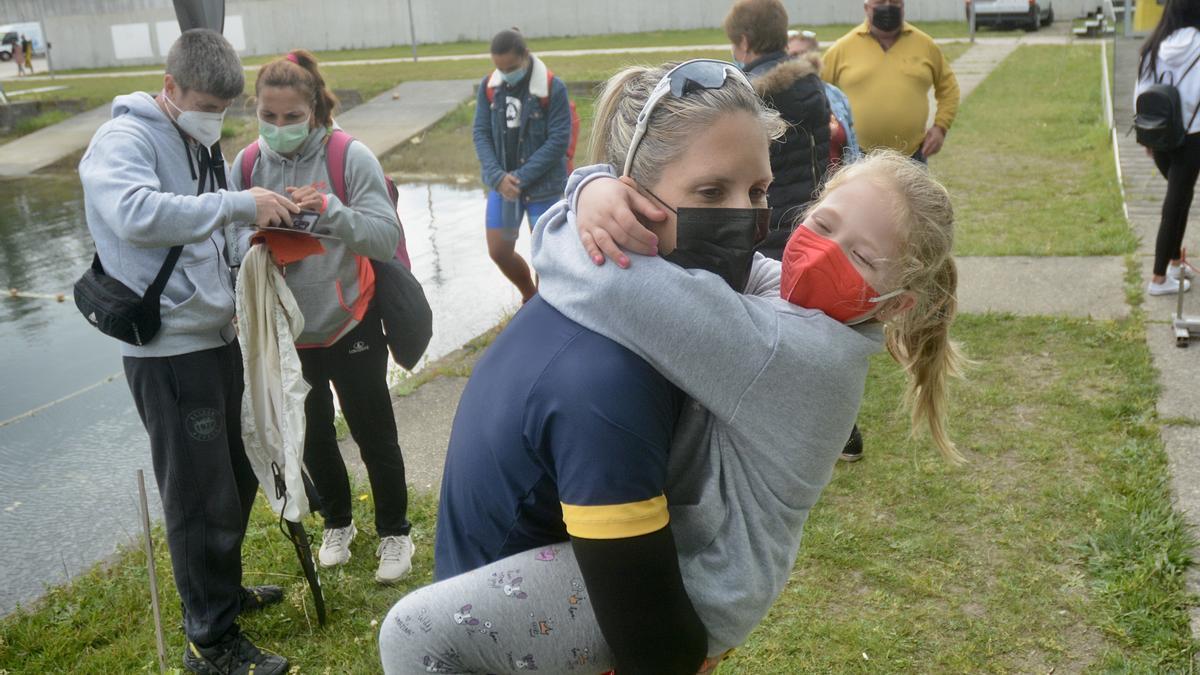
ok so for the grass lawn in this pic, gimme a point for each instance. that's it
(1054, 549)
(1029, 160)
(32, 124)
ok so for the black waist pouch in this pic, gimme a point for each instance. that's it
(407, 317)
(118, 312)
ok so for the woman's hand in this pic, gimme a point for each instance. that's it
(307, 198)
(607, 216)
(509, 187)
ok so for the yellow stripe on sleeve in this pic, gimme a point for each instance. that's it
(616, 521)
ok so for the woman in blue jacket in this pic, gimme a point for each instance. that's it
(522, 129)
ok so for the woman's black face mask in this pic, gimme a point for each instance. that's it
(718, 240)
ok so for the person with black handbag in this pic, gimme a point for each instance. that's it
(1168, 71)
(156, 205)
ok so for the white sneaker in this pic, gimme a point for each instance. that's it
(395, 558)
(1174, 272)
(335, 546)
(1169, 286)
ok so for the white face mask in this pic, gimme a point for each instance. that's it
(205, 127)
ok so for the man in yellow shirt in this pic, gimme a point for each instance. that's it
(886, 67)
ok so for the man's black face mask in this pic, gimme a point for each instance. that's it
(887, 18)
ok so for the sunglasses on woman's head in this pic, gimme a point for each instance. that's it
(681, 80)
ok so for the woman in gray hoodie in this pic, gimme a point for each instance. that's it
(342, 342)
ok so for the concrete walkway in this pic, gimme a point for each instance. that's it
(46, 146)
(403, 112)
(1179, 369)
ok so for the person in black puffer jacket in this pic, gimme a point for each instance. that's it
(757, 30)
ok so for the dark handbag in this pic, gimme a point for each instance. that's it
(119, 312)
(407, 317)
(1158, 117)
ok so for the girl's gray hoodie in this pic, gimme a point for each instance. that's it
(776, 389)
(327, 286)
(139, 193)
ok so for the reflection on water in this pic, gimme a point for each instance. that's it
(67, 487)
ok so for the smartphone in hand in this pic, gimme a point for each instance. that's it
(305, 221)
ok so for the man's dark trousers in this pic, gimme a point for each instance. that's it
(190, 405)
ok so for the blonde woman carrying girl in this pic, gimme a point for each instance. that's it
(776, 385)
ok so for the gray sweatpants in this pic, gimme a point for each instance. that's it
(526, 612)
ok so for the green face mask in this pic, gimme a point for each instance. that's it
(283, 139)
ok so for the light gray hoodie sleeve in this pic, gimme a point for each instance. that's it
(662, 312)
(371, 227)
(765, 273)
(238, 234)
(118, 175)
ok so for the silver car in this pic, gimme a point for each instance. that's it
(1026, 13)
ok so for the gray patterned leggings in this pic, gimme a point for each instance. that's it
(527, 612)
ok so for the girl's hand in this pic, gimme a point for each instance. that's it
(307, 198)
(607, 215)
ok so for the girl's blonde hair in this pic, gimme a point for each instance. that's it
(673, 123)
(919, 339)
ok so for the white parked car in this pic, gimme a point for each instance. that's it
(1027, 13)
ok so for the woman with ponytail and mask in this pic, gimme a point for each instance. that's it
(773, 356)
(342, 342)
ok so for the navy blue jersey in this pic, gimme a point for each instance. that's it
(560, 432)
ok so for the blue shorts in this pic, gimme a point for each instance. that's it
(495, 211)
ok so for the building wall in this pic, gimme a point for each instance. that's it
(102, 33)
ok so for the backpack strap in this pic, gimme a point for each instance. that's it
(1197, 108)
(1189, 69)
(490, 92)
(150, 299)
(335, 163)
(249, 157)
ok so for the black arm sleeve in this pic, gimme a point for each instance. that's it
(641, 605)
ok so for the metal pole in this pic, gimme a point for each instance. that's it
(1127, 17)
(971, 19)
(46, 39)
(158, 629)
(412, 30)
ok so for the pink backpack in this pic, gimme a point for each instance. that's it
(335, 165)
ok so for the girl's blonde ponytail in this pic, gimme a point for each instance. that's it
(920, 341)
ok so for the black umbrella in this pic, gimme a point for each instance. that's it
(200, 14)
(296, 533)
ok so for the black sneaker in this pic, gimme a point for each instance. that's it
(232, 655)
(854, 446)
(255, 598)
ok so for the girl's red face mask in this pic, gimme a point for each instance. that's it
(818, 275)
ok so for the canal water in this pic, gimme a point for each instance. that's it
(68, 492)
